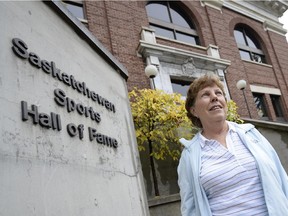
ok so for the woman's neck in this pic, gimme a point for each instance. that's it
(216, 131)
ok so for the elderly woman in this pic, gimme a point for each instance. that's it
(227, 168)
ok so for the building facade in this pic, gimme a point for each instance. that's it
(185, 39)
(237, 40)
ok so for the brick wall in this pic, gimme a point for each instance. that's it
(118, 25)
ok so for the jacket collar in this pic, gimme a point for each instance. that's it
(189, 144)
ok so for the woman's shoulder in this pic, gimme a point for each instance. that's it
(189, 144)
(249, 130)
(243, 127)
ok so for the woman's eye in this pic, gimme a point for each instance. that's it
(219, 93)
(205, 94)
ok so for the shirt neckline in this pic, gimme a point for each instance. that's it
(204, 140)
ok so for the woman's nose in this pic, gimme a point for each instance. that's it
(214, 97)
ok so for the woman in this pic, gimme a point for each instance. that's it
(227, 168)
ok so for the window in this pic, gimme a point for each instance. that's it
(277, 105)
(168, 20)
(180, 86)
(249, 47)
(260, 105)
(76, 8)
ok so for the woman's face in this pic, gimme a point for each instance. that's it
(210, 105)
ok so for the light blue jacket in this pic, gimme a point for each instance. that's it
(273, 177)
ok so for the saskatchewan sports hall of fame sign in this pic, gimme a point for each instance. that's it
(67, 141)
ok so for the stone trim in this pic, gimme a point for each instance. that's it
(267, 124)
(162, 200)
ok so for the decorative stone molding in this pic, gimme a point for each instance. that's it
(216, 4)
(282, 9)
(274, 27)
(178, 56)
(148, 35)
(213, 51)
(278, 6)
(154, 60)
(188, 67)
(267, 12)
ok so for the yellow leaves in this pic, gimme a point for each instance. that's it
(232, 112)
(157, 116)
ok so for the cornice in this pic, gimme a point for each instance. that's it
(266, 12)
(179, 56)
(216, 4)
(272, 26)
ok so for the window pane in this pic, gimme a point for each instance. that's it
(158, 11)
(277, 105)
(76, 10)
(239, 37)
(186, 38)
(248, 45)
(258, 58)
(260, 104)
(245, 55)
(168, 17)
(252, 42)
(177, 19)
(163, 32)
(180, 86)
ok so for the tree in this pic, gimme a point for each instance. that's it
(160, 120)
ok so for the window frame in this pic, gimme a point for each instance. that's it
(264, 109)
(247, 33)
(278, 108)
(78, 4)
(174, 28)
(180, 81)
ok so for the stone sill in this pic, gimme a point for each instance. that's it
(162, 200)
(268, 124)
(254, 62)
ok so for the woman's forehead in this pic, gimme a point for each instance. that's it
(210, 87)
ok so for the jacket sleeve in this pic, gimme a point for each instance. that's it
(283, 178)
(185, 183)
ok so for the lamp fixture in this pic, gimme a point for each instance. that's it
(151, 71)
(241, 84)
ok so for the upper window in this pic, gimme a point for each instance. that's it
(168, 20)
(76, 8)
(249, 47)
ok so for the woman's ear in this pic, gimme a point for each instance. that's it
(192, 111)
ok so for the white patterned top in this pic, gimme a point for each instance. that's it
(230, 178)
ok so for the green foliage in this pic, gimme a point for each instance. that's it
(157, 116)
(161, 119)
(232, 114)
